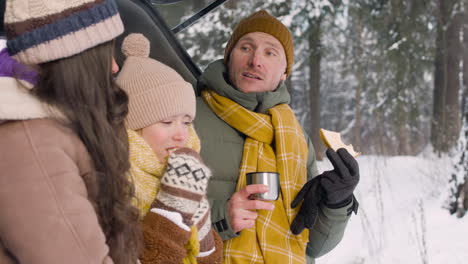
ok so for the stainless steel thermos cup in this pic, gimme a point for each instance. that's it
(267, 178)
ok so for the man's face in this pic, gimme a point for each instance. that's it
(257, 63)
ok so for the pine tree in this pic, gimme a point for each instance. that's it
(446, 119)
(378, 75)
(307, 27)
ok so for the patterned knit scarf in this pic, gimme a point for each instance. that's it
(146, 170)
(270, 240)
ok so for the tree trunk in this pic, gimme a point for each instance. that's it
(446, 110)
(315, 58)
(465, 59)
(459, 177)
(462, 164)
(403, 132)
(453, 81)
(359, 88)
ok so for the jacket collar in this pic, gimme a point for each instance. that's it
(16, 102)
(215, 78)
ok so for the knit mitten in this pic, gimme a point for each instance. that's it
(183, 185)
(202, 220)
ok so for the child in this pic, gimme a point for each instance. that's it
(169, 175)
(64, 193)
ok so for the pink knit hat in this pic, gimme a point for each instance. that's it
(155, 90)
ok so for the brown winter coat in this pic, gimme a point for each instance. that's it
(46, 216)
(164, 242)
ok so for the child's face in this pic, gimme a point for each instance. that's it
(167, 135)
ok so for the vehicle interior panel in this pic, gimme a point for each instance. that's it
(139, 17)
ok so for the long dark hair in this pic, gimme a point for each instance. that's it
(83, 89)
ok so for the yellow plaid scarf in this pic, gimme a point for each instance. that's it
(270, 241)
(146, 170)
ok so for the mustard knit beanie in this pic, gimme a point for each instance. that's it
(155, 90)
(39, 31)
(262, 21)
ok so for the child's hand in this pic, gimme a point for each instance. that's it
(184, 184)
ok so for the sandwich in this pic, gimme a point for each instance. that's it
(333, 140)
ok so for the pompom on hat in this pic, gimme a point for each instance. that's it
(155, 90)
(40, 31)
(262, 21)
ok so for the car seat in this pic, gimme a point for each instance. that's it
(139, 17)
(2, 14)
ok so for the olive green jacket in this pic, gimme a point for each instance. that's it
(221, 149)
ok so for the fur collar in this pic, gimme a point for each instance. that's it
(16, 103)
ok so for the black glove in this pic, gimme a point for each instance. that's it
(339, 184)
(312, 194)
(334, 188)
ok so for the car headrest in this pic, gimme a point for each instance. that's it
(2, 17)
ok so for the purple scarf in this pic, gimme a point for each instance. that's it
(9, 67)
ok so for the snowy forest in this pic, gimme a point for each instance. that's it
(391, 76)
(388, 75)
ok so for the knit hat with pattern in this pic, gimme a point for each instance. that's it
(155, 90)
(39, 31)
(262, 21)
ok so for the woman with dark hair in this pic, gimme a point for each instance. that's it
(64, 193)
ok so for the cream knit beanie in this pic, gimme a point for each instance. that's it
(155, 90)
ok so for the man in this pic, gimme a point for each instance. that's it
(245, 125)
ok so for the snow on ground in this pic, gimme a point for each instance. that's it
(401, 219)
